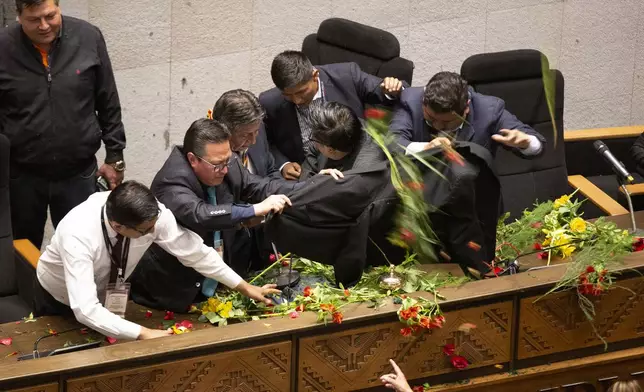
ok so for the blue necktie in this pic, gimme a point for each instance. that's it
(210, 285)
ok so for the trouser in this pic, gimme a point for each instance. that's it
(46, 305)
(31, 195)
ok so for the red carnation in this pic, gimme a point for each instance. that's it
(449, 349)
(375, 114)
(272, 258)
(346, 293)
(405, 314)
(418, 388)
(300, 308)
(542, 255)
(406, 331)
(148, 314)
(407, 235)
(425, 322)
(638, 245)
(459, 362)
(307, 291)
(437, 322)
(327, 308)
(185, 323)
(6, 341)
(168, 315)
(537, 246)
(110, 340)
(337, 317)
(590, 269)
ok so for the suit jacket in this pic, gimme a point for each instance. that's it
(487, 117)
(344, 83)
(261, 157)
(160, 280)
(365, 155)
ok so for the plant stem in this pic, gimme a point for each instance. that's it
(279, 261)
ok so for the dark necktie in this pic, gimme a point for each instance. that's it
(117, 253)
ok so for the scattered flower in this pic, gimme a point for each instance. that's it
(577, 225)
(29, 319)
(536, 225)
(272, 258)
(466, 327)
(307, 291)
(459, 362)
(11, 354)
(406, 331)
(294, 314)
(542, 255)
(638, 245)
(300, 307)
(449, 349)
(6, 341)
(168, 315)
(418, 388)
(537, 246)
(148, 314)
(337, 317)
(346, 293)
(52, 332)
(110, 340)
(590, 269)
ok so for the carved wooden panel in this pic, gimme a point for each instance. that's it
(261, 369)
(355, 359)
(556, 323)
(41, 388)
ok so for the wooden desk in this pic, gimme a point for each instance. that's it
(515, 333)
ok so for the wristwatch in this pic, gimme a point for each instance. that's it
(119, 166)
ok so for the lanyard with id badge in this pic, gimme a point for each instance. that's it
(118, 291)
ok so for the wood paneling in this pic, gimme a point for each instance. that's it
(265, 368)
(603, 133)
(40, 388)
(556, 323)
(354, 359)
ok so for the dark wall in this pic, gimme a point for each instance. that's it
(7, 12)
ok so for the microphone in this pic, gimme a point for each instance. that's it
(617, 166)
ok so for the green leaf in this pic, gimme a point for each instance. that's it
(549, 87)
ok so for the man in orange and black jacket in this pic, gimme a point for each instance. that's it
(58, 100)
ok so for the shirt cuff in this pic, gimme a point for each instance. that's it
(533, 148)
(415, 147)
(281, 167)
(242, 212)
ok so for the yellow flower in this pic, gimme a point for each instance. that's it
(578, 225)
(566, 251)
(560, 202)
(224, 308)
(546, 242)
(210, 306)
(625, 232)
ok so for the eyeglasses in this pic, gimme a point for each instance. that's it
(148, 230)
(220, 166)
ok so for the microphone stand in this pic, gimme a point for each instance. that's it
(634, 230)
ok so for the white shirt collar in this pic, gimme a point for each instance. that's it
(110, 231)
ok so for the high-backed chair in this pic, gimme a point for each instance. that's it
(341, 40)
(17, 270)
(516, 77)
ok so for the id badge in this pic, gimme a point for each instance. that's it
(219, 247)
(116, 297)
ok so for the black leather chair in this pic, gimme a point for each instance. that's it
(516, 77)
(16, 272)
(376, 51)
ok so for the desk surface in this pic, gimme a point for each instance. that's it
(212, 338)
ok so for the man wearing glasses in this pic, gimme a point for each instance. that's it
(97, 246)
(207, 188)
(446, 109)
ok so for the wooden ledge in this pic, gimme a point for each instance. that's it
(596, 195)
(27, 251)
(603, 133)
(634, 189)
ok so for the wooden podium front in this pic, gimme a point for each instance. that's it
(519, 344)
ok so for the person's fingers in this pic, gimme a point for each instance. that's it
(395, 366)
(271, 291)
(269, 286)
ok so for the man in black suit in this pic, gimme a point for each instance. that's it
(340, 143)
(298, 83)
(205, 185)
(446, 109)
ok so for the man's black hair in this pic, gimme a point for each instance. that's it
(446, 92)
(291, 68)
(335, 125)
(22, 4)
(203, 132)
(131, 204)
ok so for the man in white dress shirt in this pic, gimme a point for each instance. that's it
(100, 242)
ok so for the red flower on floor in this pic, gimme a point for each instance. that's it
(6, 341)
(542, 255)
(638, 245)
(375, 114)
(590, 269)
(406, 331)
(337, 317)
(459, 362)
(307, 291)
(294, 314)
(449, 349)
(537, 246)
(148, 314)
(425, 322)
(405, 314)
(168, 315)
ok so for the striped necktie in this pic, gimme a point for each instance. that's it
(244, 158)
(210, 285)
